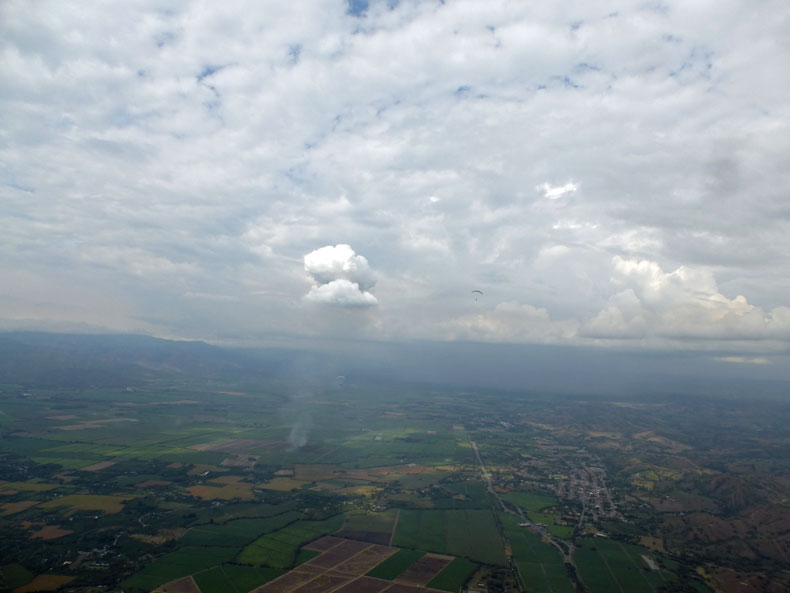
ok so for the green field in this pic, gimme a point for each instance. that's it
(279, 549)
(238, 532)
(552, 522)
(531, 500)
(414, 464)
(464, 495)
(231, 578)
(610, 566)
(180, 563)
(424, 530)
(380, 522)
(393, 566)
(15, 575)
(539, 564)
(468, 533)
(454, 575)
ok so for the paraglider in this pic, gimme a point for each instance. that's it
(477, 292)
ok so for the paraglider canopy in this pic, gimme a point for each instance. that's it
(477, 292)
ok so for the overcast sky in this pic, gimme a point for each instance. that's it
(607, 174)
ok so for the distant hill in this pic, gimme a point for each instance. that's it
(117, 360)
(82, 360)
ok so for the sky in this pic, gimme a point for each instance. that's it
(607, 174)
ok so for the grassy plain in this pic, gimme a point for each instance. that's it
(231, 578)
(131, 459)
(16, 575)
(88, 502)
(238, 532)
(607, 565)
(453, 577)
(181, 563)
(468, 533)
(279, 549)
(393, 566)
(381, 521)
(533, 500)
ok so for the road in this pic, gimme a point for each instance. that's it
(565, 549)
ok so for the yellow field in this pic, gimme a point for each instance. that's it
(89, 424)
(447, 468)
(361, 490)
(9, 508)
(45, 582)
(240, 461)
(89, 502)
(50, 532)
(98, 466)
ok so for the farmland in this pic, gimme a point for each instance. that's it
(539, 565)
(140, 484)
(393, 566)
(453, 576)
(281, 549)
(616, 566)
(468, 533)
(230, 578)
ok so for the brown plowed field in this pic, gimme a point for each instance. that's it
(183, 585)
(401, 588)
(51, 532)
(286, 583)
(338, 554)
(422, 571)
(98, 466)
(324, 543)
(323, 584)
(366, 560)
(364, 585)
(341, 563)
(45, 582)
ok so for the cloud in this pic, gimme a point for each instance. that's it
(758, 360)
(342, 293)
(340, 276)
(683, 304)
(169, 166)
(513, 322)
(554, 192)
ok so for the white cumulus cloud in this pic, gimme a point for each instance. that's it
(554, 192)
(340, 277)
(514, 322)
(683, 304)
